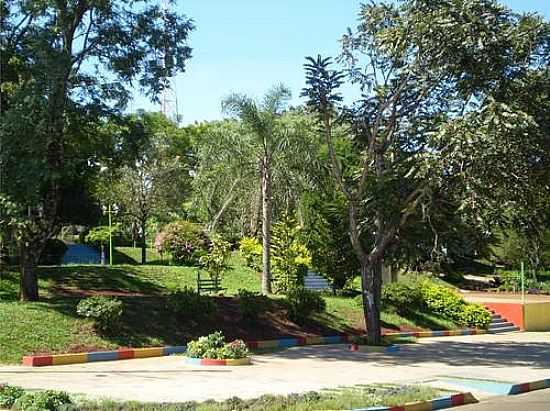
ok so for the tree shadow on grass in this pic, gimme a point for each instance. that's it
(89, 278)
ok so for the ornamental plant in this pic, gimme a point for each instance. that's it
(186, 242)
(9, 394)
(214, 347)
(251, 250)
(42, 401)
(216, 261)
(105, 311)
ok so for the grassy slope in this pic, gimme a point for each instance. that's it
(52, 326)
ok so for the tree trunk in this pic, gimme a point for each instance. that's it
(266, 229)
(143, 244)
(28, 280)
(372, 289)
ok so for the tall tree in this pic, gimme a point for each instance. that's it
(428, 118)
(278, 143)
(79, 60)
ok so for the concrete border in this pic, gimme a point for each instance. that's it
(212, 362)
(130, 353)
(529, 386)
(436, 404)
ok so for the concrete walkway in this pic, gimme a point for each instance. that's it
(532, 401)
(517, 357)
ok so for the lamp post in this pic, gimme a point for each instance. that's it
(110, 236)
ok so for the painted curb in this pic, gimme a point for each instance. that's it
(129, 353)
(389, 349)
(120, 354)
(211, 362)
(436, 404)
(529, 386)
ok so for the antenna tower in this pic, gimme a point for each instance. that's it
(168, 97)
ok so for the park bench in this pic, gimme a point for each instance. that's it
(208, 284)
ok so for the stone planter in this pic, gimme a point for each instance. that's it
(213, 362)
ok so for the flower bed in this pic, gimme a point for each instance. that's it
(213, 350)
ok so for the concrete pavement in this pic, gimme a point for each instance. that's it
(517, 357)
(532, 401)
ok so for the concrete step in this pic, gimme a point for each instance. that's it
(498, 320)
(496, 316)
(501, 325)
(503, 330)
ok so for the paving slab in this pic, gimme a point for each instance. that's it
(515, 357)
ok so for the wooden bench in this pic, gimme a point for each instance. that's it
(208, 284)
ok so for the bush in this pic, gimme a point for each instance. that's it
(53, 252)
(302, 303)
(105, 311)
(251, 250)
(404, 297)
(213, 346)
(215, 262)
(188, 304)
(442, 300)
(9, 394)
(291, 258)
(475, 315)
(42, 400)
(251, 304)
(234, 350)
(186, 242)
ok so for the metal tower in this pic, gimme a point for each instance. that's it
(168, 97)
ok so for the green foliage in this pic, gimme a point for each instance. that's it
(105, 311)
(213, 346)
(448, 303)
(475, 315)
(186, 242)
(302, 303)
(100, 235)
(251, 304)
(188, 304)
(43, 401)
(216, 262)
(9, 394)
(53, 252)
(251, 250)
(290, 256)
(404, 296)
(235, 350)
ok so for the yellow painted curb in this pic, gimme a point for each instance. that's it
(314, 340)
(240, 361)
(268, 344)
(148, 352)
(63, 359)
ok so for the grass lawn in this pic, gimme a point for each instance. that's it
(332, 399)
(51, 325)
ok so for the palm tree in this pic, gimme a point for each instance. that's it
(269, 136)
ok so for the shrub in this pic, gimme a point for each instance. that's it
(184, 241)
(442, 300)
(251, 250)
(234, 350)
(188, 304)
(402, 296)
(291, 258)
(251, 304)
(9, 394)
(42, 400)
(213, 346)
(53, 252)
(302, 303)
(105, 311)
(215, 262)
(475, 315)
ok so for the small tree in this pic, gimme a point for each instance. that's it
(216, 262)
(100, 236)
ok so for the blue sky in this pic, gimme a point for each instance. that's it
(249, 45)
